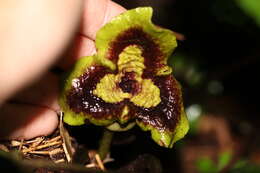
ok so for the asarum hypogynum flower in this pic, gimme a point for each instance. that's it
(128, 81)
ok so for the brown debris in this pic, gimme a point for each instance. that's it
(4, 148)
(47, 148)
(96, 162)
(48, 144)
(57, 148)
(67, 144)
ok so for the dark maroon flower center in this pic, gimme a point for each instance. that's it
(128, 83)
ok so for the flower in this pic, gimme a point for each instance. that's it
(128, 81)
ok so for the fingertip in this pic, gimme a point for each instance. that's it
(113, 9)
(81, 46)
(96, 14)
(20, 121)
(43, 93)
(43, 125)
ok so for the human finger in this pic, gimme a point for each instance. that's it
(43, 93)
(33, 35)
(81, 46)
(22, 121)
(96, 14)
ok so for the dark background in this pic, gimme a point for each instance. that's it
(218, 67)
(217, 63)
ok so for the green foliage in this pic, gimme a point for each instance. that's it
(206, 165)
(185, 68)
(244, 166)
(252, 8)
(223, 160)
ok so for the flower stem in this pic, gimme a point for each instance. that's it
(105, 142)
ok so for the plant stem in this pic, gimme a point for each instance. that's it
(105, 142)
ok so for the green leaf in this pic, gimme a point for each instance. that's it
(244, 166)
(251, 8)
(206, 165)
(224, 159)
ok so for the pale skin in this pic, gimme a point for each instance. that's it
(35, 36)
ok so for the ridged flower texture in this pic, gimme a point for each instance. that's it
(128, 81)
